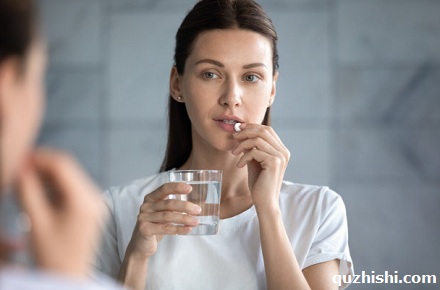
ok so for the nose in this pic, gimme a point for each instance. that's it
(232, 95)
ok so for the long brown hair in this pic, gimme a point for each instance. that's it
(17, 28)
(209, 15)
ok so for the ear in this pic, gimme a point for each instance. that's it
(274, 89)
(175, 84)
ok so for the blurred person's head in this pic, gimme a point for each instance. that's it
(22, 69)
(208, 17)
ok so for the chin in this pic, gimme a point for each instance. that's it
(216, 139)
(225, 145)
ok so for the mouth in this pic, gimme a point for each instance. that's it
(227, 123)
(228, 119)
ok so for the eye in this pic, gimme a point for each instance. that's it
(251, 78)
(209, 75)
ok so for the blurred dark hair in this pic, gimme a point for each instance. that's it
(209, 15)
(17, 28)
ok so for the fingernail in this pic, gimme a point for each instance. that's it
(197, 209)
(188, 188)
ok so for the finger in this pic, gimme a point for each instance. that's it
(261, 157)
(265, 132)
(269, 129)
(261, 131)
(69, 188)
(148, 229)
(272, 132)
(257, 143)
(166, 189)
(66, 177)
(169, 217)
(169, 229)
(172, 205)
(283, 149)
(31, 195)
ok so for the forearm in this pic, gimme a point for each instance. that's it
(281, 265)
(133, 272)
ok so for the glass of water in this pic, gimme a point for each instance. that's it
(206, 193)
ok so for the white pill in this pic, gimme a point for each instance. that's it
(237, 127)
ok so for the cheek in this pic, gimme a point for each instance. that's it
(199, 99)
(257, 104)
(257, 114)
(196, 110)
(19, 132)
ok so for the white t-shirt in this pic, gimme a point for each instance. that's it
(314, 218)
(23, 279)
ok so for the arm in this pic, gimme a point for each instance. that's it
(266, 158)
(62, 204)
(133, 272)
(320, 276)
(156, 218)
(282, 269)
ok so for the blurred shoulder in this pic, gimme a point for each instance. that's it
(23, 279)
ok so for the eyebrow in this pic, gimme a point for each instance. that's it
(252, 65)
(219, 64)
(211, 61)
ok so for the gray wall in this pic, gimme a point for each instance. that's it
(358, 105)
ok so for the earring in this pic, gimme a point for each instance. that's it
(180, 98)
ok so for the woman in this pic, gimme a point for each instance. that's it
(53, 191)
(272, 234)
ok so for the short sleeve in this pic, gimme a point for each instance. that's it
(107, 260)
(331, 239)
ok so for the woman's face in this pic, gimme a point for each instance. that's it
(228, 78)
(21, 109)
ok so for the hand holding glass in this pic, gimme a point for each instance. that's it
(206, 193)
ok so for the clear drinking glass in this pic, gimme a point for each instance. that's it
(206, 193)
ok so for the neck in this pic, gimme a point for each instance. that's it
(234, 179)
(235, 196)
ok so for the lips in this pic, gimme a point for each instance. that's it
(227, 122)
(228, 119)
(230, 122)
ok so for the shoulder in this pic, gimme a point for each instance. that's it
(309, 199)
(128, 197)
(308, 193)
(136, 189)
(316, 222)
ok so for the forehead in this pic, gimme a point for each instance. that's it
(232, 45)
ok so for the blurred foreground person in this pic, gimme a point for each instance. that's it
(63, 206)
